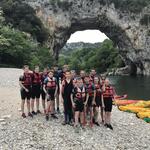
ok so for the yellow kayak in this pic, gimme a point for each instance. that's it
(143, 115)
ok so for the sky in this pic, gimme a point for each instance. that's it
(87, 36)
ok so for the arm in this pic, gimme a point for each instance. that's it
(22, 86)
(44, 89)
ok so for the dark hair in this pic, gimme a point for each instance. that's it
(52, 71)
(25, 66)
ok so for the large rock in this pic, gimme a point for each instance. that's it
(125, 22)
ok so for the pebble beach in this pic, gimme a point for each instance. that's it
(130, 133)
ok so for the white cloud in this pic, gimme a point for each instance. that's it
(90, 36)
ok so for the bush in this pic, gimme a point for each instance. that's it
(102, 58)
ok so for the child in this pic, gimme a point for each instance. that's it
(56, 75)
(78, 98)
(50, 88)
(43, 95)
(66, 90)
(108, 94)
(36, 89)
(90, 89)
(98, 100)
(25, 83)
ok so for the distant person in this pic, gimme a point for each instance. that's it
(44, 75)
(82, 75)
(90, 102)
(108, 95)
(65, 68)
(56, 75)
(25, 83)
(73, 75)
(50, 88)
(98, 100)
(78, 98)
(36, 90)
(92, 74)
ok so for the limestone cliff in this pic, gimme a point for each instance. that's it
(126, 23)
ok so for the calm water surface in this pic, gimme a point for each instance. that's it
(135, 87)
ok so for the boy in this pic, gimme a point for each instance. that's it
(78, 98)
(36, 90)
(66, 90)
(43, 95)
(98, 100)
(50, 88)
(108, 94)
(56, 75)
(25, 83)
(90, 102)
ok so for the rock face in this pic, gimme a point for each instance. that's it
(126, 23)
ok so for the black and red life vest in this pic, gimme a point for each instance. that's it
(109, 92)
(89, 89)
(79, 93)
(98, 89)
(36, 79)
(51, 83)
(27, 79)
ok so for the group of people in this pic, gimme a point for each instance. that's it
(82, 95)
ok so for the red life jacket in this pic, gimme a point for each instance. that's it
(36, 78)
(27, 79)
(80, 94)
(91, 78)
(98, 88)
(109, 92)
(51, 84)
(89, 89)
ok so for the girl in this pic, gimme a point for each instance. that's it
(50, 88)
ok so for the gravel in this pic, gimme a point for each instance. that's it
(130, 133)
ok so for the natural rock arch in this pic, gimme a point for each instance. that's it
(128, 27)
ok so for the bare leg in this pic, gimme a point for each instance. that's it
(32, 104)
(96, 114)
(48, 107)
(28, 105)
(82, 118)
(76, 118)
(109, 117)
(43, 104)
(52, 104)
(37, 104)
(22, 105)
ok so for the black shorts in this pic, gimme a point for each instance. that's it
(108, 104)
(89, 103)
(79, 105)
(24, 94)
(51, 93)
(36, 91)
(98, 101)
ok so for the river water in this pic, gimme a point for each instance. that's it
(134, 87)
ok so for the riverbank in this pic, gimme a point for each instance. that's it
(129, 132)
